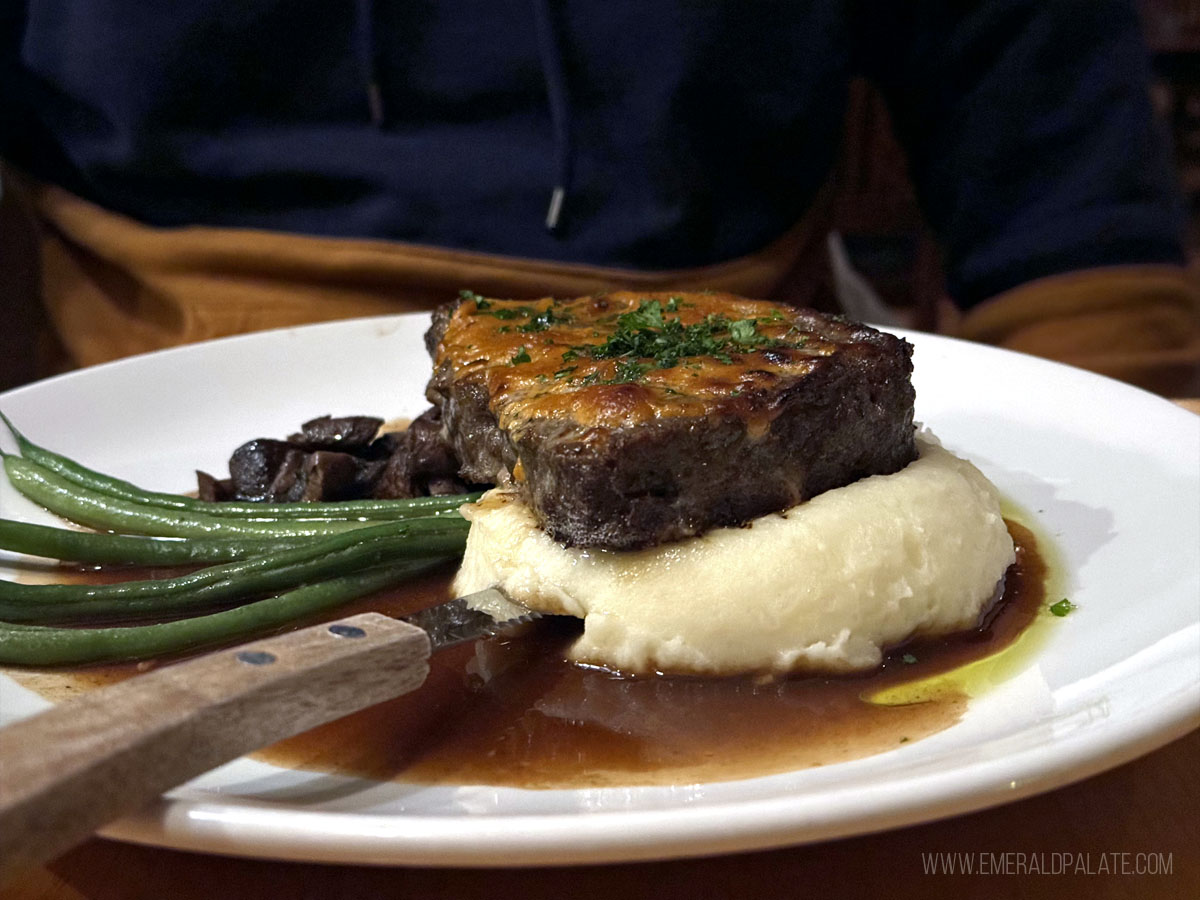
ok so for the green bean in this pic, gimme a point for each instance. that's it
(207, 588)
(69, 545)
(338, 510)
(87, 507)
(38, 645)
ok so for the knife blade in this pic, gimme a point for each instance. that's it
(77, 766)
(470, 618)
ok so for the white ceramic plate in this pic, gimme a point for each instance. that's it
(1111, 472)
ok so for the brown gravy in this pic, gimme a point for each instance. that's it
(512, 712)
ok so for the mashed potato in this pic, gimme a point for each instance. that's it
(824, 587)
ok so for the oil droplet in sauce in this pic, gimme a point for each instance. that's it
(513, 712)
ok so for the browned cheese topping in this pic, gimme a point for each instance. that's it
(625, 358)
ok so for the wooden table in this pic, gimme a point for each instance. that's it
(1143, 814)
(1145, 807)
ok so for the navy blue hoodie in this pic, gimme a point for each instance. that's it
(675, 133)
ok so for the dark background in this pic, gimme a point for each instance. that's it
(877, 213)
(875, 209)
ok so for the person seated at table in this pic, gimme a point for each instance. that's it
(203, 169)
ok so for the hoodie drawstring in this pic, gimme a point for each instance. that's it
(550, 53)
(368, 55)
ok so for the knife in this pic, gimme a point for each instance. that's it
(81, 764)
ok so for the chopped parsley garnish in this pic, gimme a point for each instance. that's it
(521, 356)
(510, 312)
(628, 371)
(649, 314)
(488, 308)
(802, 337)
(742, 331)
(480, 303)
(645, 333)
(543, 320)
(908, 659)
(745, 332)
(1062, 607)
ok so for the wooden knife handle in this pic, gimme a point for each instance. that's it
(75, 767)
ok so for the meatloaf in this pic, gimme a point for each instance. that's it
(629, 419)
